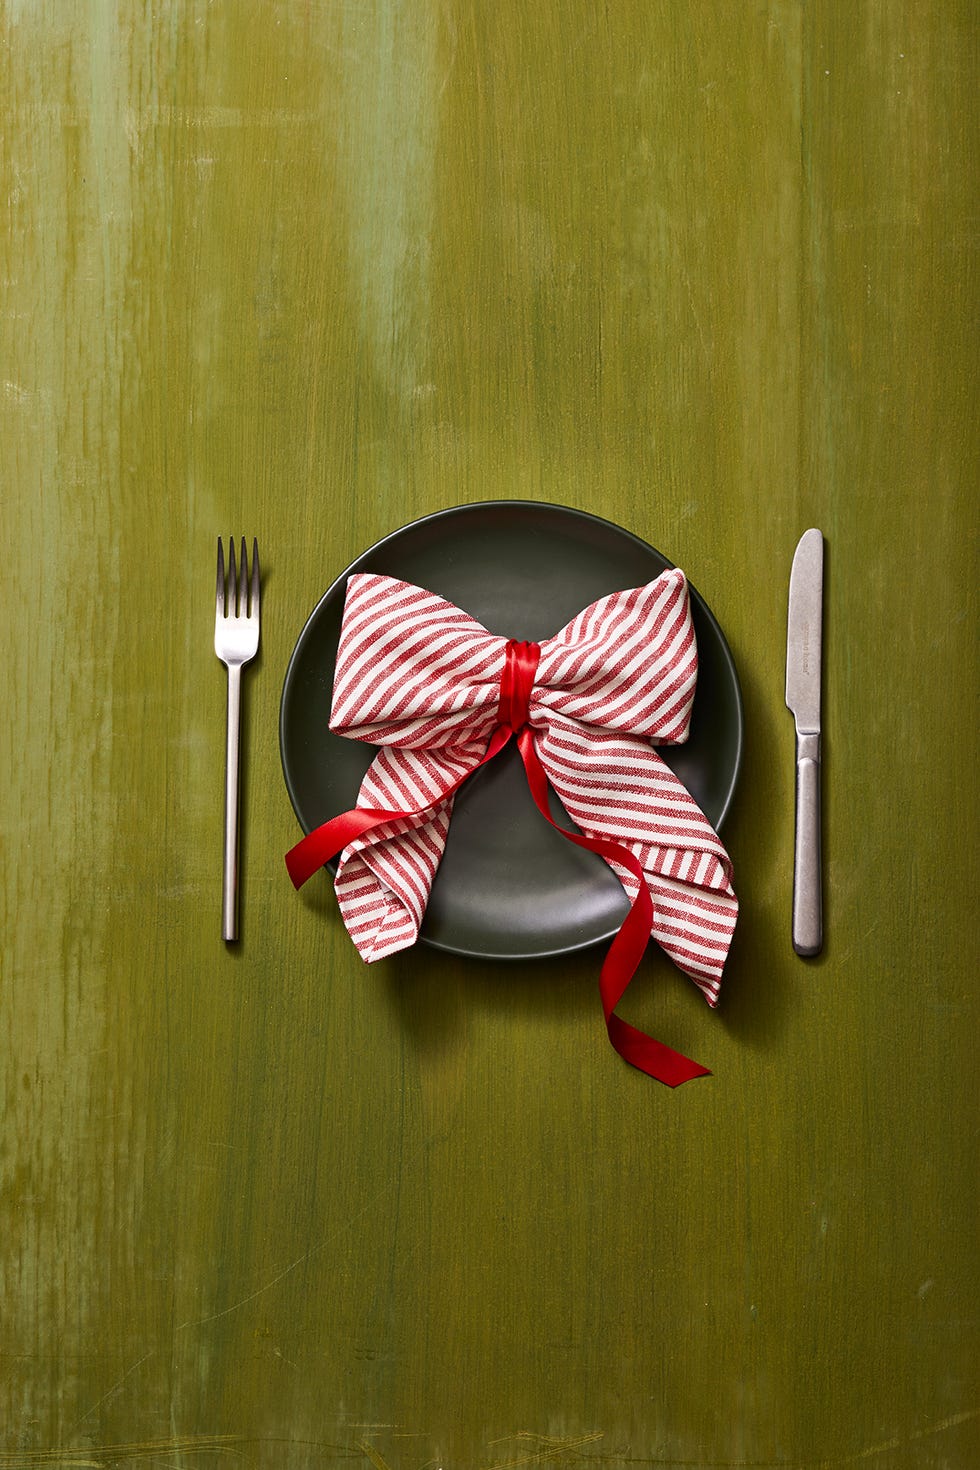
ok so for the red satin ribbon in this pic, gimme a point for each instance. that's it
(516, 683)
(628, 947)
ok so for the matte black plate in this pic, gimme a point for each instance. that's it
(509, 887)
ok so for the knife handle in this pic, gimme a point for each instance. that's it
(807, 884)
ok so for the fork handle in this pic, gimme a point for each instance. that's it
(229, 894)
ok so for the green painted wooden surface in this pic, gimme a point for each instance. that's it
(306, 271)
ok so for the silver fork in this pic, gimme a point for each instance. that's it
(236, 642)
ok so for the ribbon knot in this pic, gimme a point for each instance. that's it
(516, 683)
(441, 696)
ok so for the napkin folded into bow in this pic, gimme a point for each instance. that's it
(440, 695)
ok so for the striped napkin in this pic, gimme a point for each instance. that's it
(421, 679)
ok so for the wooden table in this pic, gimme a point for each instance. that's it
(306, 271)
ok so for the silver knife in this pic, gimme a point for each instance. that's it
(803, 649)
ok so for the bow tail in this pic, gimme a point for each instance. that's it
(392, 842)
(628, 947)
(383, 885)
(694, 921)
(616, 787)
(694, 916)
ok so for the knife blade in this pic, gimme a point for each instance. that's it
(804, 647)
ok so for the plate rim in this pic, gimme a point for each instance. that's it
(515, 504)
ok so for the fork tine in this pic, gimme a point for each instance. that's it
(254, 598)
(220, 609)
(232, 579)
(243, 583)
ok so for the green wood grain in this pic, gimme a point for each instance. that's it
(305, 272)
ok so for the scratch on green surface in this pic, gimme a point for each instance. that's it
(895, 1444)
(375, 1456)
(552, 1450)
(543, 1449)
(97, 1457)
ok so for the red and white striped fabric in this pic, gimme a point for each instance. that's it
(421, 679)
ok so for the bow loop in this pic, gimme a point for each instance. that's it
(412, 669)
(628, 662)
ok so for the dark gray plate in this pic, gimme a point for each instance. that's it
(509, 887)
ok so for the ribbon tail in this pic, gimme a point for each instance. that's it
(324, 842)
(627, 949)
(652, 1056)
